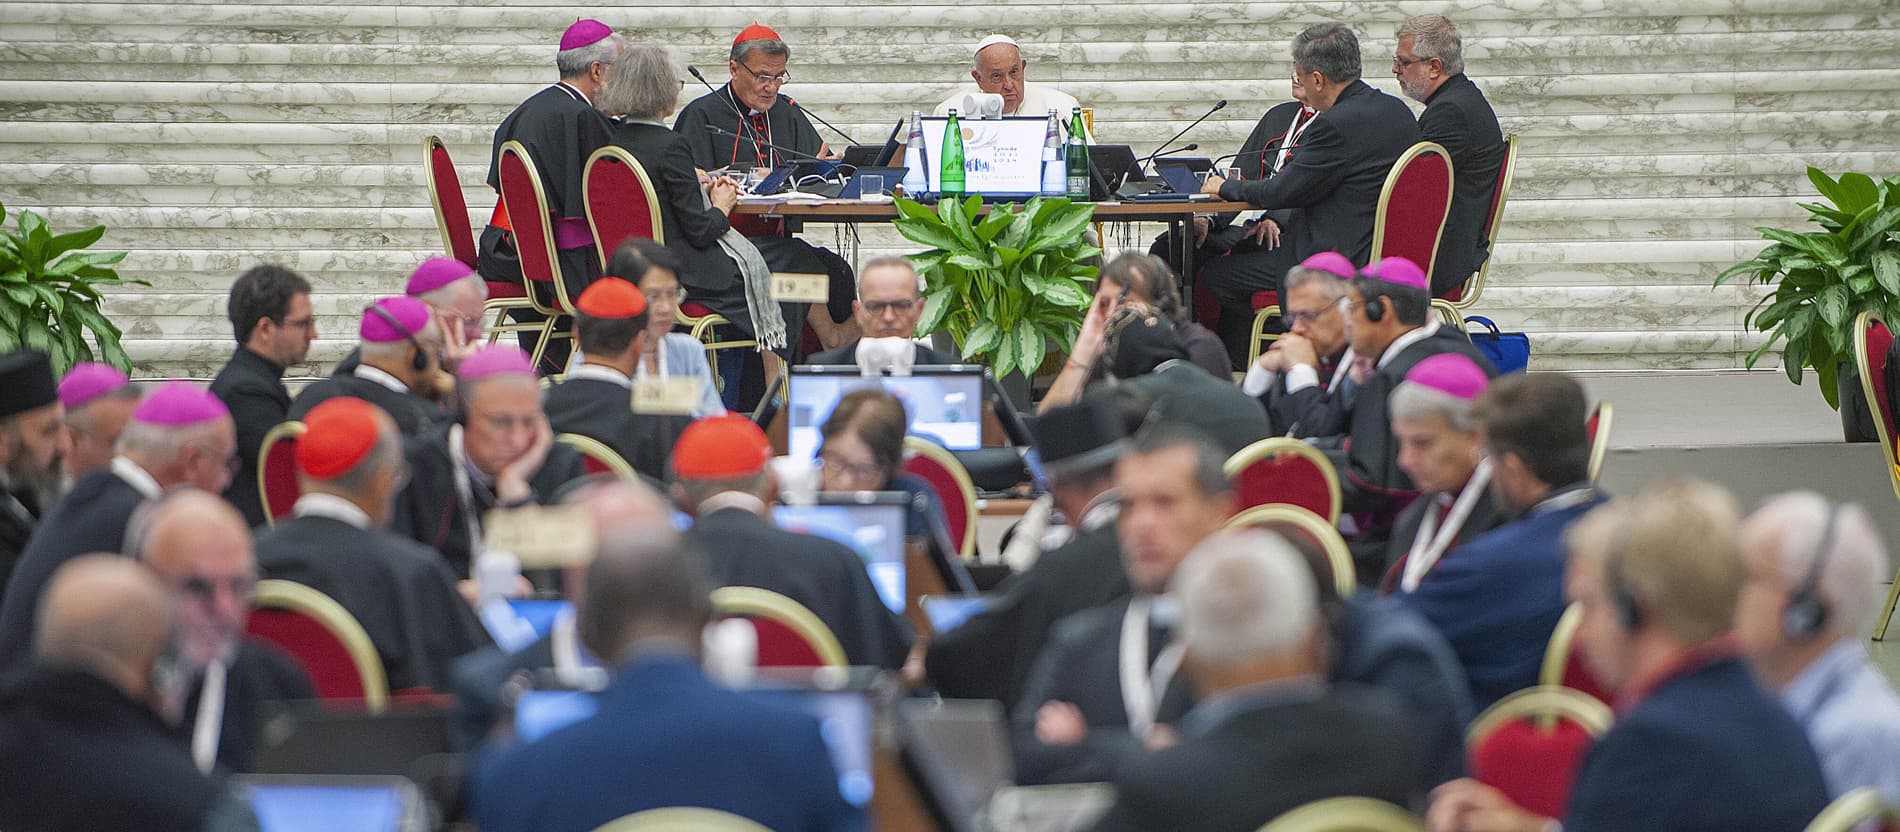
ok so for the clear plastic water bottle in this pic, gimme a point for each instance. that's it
(1054, 173)
(915, 183)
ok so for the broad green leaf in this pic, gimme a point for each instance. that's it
(1030, 344)
(1827, 187)
(913, 209)
(1057, 290)
(1858, 190)
(936, 306)
(982, 339)
(931, 234)
(1005, 358)
(993, 225)
(74, 240)
(33, 239)
(1793, 358)
(1861, 283)
(21, 293)
(1886, 263)
(1798, 322)
(1870, 231)
(1825, 374)
(1833, 304)
(966, 261)
(1826, 215)
(11, 314)
(52, 297)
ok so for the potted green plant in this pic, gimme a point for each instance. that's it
(1005, 284)
(1823, 279)
(49, 292)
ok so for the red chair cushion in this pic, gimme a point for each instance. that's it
(1535, 768)
(591, 465)
(1206, 307)
(693, 309)
(1879, 340)
(1577, 677)
(448, 194)
(617, 203)
(318, 651)
(1455, 293)
(956, 513)
(1286, 478)
(1265, 298)
(506, 290)
(782, 646)
(280, 478)
(1590, 427)
(530, 219)
(1416, 213)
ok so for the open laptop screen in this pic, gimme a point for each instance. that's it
(1001, 156)
(945, 403)
(333, 804)
(870, 523)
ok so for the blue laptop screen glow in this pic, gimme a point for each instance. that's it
(288, 808)
(875, 532)
(944, 408)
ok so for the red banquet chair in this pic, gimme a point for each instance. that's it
(1283, 470)
(1563, 666)
(1602, 421)
(1530, 745)
(1413, 206)
(789, 634)
(621, 203)
(527, 205)
(324, 638)
(277, 471)
(1453, 304)
(955, 489)
(458, 238)
(596, 457)
(1289, 520)
(1872, 340)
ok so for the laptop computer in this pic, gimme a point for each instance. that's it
(959, 752)
(854, 187)
(1002, 157)
(310, 738)
(870, 523)
(318, 803)
(861, 155)
(945, 402)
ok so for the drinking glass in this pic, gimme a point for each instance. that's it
(870, 185)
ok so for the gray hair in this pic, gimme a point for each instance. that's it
(155, 446)
(444, 295)
(1414, 401)
(1855, 563)
(643, 586)
(572, 62)
(1245, 595)
(772, 48)
(891, 262)
(1330, 49)
(1435, 36)
(642, 84)
(1329, 283)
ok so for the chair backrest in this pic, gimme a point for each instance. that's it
(1859, 809)
(1286, 518)
(1530, 745)
(1282, 470)
(324, 638)
(277, 483)
(1413, 206)
(1602, 420)
(445, 196)
(1346, 814)
(1562, 665)
(620, 202)
(1872, 340)
(1467, 294)
(789, 634)
(596, 457)
(955, 489)
(527, 204)
(681, 819)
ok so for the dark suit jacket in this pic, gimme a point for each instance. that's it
(1730, 755)
(743, 549)
(691, 226)
(80, 754)
(252, 388)
(1336, 173)
(666, 736)
(1312, 411)
(429, 511)
(848, 354)
(414, 414)
(1257, 765)
(560, 130)
(1185, 393)
(989, 656)
(1498, 597)
(259, 681)
(400, 591)
(1458, 117)
(603, 410)
(1379, 643)
(1081, 665)
(16, 528)
(90, 518)
(1485, 515)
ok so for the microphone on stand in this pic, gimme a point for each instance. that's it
(821, 120)
(1182, 149)
(790, 154)
(1204, 116)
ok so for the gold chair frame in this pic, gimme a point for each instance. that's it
(613, 154)
(1546, 705)
(935, 453)
(681, 819)
(278, 433)
(1600, 443)
(549, 330)
(1862, 363)
(295, 597)
(753, 602)
(1346, 814)
(1563, 640)
(1338, 555)
(494, 309)
(1383, 216)
(598, 451)
(1853, 809)
(1274, 445)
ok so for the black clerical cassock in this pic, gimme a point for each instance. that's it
(413, 414)
(443, 504)
(783, 125)
(596, 402)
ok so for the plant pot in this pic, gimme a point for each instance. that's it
(1857, 419)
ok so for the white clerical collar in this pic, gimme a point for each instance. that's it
(365, 371)
(600, 372)
(331, 507)
(1407, 339)
(576, 91)
(136, 477)
(732, 499)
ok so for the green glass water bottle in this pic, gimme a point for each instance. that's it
(1076, 158)
(951, 172)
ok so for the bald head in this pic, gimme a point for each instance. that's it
(108, 615)
(200, 547)
(641, 588)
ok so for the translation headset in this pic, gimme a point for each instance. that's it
(1375, 310)
(420, 360)
(1805, 615)
(1629, 612)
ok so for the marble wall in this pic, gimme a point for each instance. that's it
(210, 136)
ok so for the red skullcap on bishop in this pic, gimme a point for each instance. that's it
(611, 297)
(721, 447)
(755, 31)
(584, 32)
(338, 434)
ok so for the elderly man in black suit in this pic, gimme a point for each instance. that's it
(1333, 176)
(1430, 66)
(1269, 734)
(890, 300)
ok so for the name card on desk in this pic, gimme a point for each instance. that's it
(792, 287)
(670, 396)
(543, 537)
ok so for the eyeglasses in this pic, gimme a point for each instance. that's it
(1306, 316)
(1401, 63)
(205, 590)
(298, 323)
(856, 470)
(879, 307)
(675, 295)
(780, 79)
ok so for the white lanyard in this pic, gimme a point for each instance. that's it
(1431, 541)
(210, 723)
(1144, 687)
(1292, 137)
(465, 493)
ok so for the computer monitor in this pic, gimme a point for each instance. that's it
(539, 713)
(1002, 157)
(959, 750)
(333, 803)
(870, 523)
(845, 720)
(945, 403)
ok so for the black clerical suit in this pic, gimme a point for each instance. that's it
(399, 590)
(989, 656)
(259, 681)
(19, 515)
(90, 518)
(1485, 515)
(560, 128)
(1314, 410)
(1255, 161)
(744, 549)
(1081, 665)
(252, 388)
(848, 354)
(783, 125)
(414, 415)
(1458, 117)
(434, 511)
(602, 410)
(80, 754)
(1183, 392)
(1266, 753)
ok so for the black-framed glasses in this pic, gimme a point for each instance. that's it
(879, 307)
(781, 79)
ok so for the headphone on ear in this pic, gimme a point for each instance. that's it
(420, 360)
(1375, 311)
(1804, 615)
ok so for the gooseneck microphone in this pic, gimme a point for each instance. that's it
(745, 124)
(790, 154)
(1204, 116)
(1182, 149)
